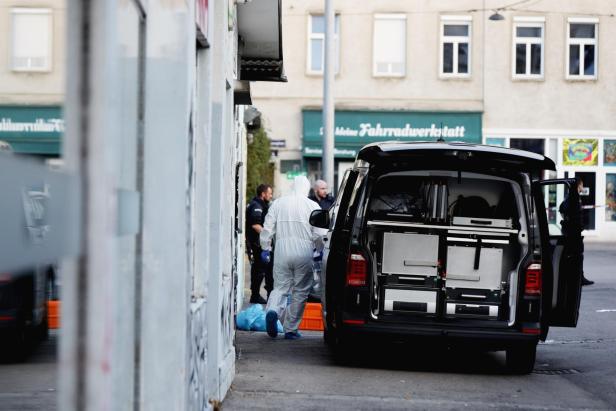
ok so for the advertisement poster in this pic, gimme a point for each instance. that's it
(609, 150)
(610, 197)
(580, 152)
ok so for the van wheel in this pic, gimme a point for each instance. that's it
(521, 359)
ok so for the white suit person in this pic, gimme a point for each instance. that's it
(296, 239)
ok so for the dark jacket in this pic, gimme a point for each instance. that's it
(256, 211)
(572, 218)
(324, 203)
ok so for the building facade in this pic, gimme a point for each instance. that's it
(534, 75)
(32, 75)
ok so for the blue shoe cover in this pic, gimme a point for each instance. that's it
(293, 335)
(271, 323)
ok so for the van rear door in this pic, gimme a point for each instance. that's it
(559, 216)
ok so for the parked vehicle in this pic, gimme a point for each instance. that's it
(450, 242)
(23, 309)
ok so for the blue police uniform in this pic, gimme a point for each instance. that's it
(255, 214)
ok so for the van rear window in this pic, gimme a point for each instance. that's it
(430, 198)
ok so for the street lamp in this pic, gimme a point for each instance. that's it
(496, 16)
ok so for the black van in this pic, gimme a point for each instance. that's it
(449, 241)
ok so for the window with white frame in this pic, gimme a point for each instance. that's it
(528, 38)
(316, 43)
(582, 48)
(389, 45)
(31, 39)
(455, 46)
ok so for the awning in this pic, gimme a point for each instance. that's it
(260, 40)
(32, 129)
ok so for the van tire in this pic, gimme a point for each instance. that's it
(521, 358)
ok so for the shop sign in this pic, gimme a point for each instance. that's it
(609, 152)
(341, 153)
(354, 129)
(30, 129)
(278, 143)
(580, 152)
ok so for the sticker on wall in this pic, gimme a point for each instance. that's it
(580, 152)
(609, 153)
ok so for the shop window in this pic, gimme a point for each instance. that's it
(288, 166)
(389, 45)
(535, 145)
(582, 48)
(31, 39)
(528, 48)
(610, 197)
(455, 47)
(316, 43)
(609, 153)
(580, 152)
(588, 198)
(552, 150)
(494, 141)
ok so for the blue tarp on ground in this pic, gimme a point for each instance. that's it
(253, 319)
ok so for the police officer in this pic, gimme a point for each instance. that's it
(255, 216)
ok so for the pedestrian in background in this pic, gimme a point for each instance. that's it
(288, 219)
(255, 216)
(320, 195)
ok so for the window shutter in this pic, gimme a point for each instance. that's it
(389, 46)
(31, 41)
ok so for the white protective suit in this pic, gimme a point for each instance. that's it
(288, 218)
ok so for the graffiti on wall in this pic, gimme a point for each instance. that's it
(197, 393)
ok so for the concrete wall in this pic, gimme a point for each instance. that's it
(152, 129)
(33, 88)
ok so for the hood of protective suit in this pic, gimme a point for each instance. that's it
(301, 186)
(288, 219)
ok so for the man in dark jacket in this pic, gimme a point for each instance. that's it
(320, 195)
(255, 216)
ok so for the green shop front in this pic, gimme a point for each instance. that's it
(33, 130)
(354, 129)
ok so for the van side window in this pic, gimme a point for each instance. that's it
(333, 211)
(354, 202)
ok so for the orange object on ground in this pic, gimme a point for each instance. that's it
(53, 313)
(313, 319)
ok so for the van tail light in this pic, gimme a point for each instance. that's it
(532, 284)
(357, 270)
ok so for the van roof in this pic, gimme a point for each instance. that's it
(477, 154)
